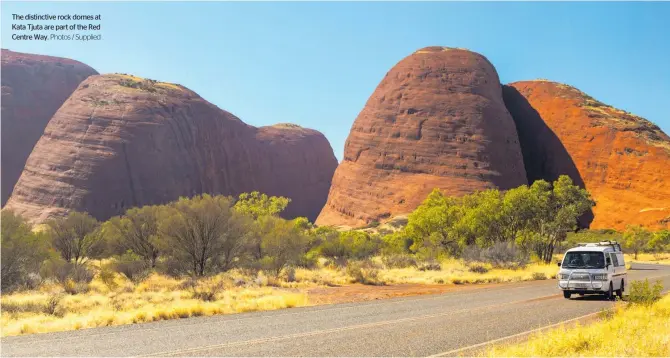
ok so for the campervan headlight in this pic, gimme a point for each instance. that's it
(600, 277)
(563, 276)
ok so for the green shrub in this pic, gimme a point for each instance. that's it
(364, 272)
(132, 266)
(539, 276)
(500, 255)
(107, 277)
(430, 266)
(478, 268)
(399, 261)
(350, 245)
(74, 288)
(642, 293)
(22, 252)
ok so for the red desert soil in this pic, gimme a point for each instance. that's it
(120, 141)
(358, 292)
(622, 159)
(436, 120)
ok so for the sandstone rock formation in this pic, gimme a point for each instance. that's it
(120, 141)
(622, 159)
(33, 88)
(436, 120)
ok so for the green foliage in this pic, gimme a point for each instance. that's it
(537, 218)
(398, 261)
(76, 237)
(660, 242)
(145, 85)
(137, 231)
(363, 272)
(635, 239)
(573, 238)
(205, 232)
(350, 245)
(282, 244)
(258, 205)
(131, 265)
(642, 293)
(396, 243)
(22, 251)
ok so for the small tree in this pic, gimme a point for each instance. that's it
(76, 236)
(204, 231)
(431, 225)
(282, 244)
(636, 238)
(22, 250)
(137, 231)
(660, 242)
(557, 208)
(258, 205)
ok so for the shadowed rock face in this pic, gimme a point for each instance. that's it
(620, 158)
(121, 141)
(33, 88)
(436, 120)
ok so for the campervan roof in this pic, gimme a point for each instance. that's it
(598, 246)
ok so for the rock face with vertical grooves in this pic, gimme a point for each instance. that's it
(120, 141)
(622, 159)
(436, 120)
(33, 88)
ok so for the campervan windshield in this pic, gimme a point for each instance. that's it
(584, 260)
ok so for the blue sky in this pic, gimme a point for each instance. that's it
(315, 64)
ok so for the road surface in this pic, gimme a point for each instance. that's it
(409, 326)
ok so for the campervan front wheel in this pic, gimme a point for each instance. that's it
(566, 294)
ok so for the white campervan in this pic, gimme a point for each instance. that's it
(593, 268)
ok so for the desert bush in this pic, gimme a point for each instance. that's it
(132, 266)
(350, 245)
(73, 287)
(290, 274)
(363, 272)
(145, 85)
(642, 293)
(396, 243)
(136, 231)
(399, 261)
(429, 266)
(203, 232)
(204, 289)
(52, 306)
(282, 244)
(499, 255)
(107, 277)
(33, 281)
(539, 276)
(62, 271)
(76, 237)
(478, 268)
(22, 251)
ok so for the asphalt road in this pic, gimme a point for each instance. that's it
(409, 326)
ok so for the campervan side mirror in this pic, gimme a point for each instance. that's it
(608, 262)
(559, 264)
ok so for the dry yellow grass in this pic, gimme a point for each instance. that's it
(658, 258)
(159, 297)
(456, 272)
(635, 331)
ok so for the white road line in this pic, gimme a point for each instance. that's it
(459, 350)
